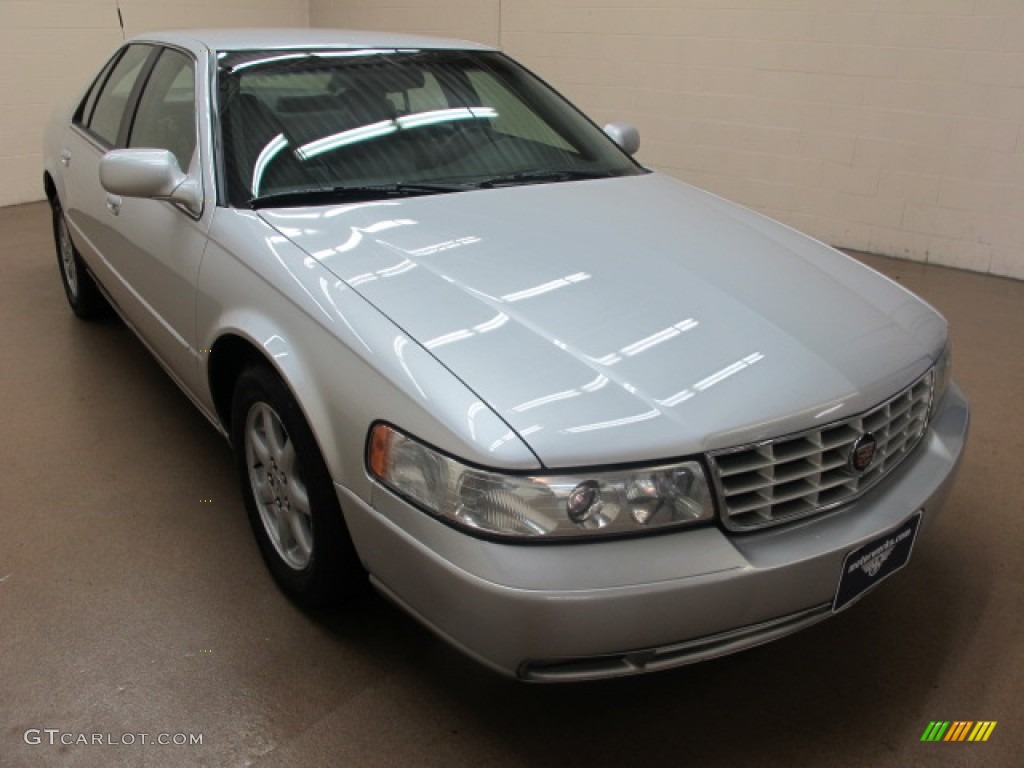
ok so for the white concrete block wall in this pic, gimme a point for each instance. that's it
(143, 15)
(464, 19)
(46, 47)
(49, 47)
(896, 129)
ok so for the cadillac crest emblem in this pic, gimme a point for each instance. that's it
(862, 454)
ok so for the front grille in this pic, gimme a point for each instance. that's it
(790, 477)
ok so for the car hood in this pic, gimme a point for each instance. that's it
(627, 319)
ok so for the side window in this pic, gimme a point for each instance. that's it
(166, 116)
(110, 105)
(85, 108)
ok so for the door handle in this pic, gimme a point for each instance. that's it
(114, 204)
(65, 157)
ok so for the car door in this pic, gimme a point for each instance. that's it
(150, 250)
(95, 129)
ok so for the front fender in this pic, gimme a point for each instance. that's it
(346, 364)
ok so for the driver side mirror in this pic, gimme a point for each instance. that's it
(625, 135)
(149, 173)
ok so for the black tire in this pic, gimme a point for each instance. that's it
(83, 295)
(305, 544)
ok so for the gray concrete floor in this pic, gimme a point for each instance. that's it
(129, 606)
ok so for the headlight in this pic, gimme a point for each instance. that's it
(578, 504)
(943, 373)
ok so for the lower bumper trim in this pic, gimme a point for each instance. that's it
(665, 657)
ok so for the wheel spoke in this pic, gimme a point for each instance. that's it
(276, 437)
(258, 443)
(263, 491)
(299, 495)
(283, 528)
(265, 423)
(300, 533)
(286, 459)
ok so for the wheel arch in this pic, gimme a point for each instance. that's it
(50, 187)
(228, 357)
(235, 350)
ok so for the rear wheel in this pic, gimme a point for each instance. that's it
(82, 293)
(288, 494)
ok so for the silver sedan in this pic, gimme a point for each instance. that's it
(579, 418)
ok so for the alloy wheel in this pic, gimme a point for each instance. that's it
(67, 257)
(278, 487)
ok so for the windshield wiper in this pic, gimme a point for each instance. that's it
(359, 193)
(541, 177)
(363, 192)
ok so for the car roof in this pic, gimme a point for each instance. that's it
(284, 38)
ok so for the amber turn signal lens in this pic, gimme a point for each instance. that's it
(379, 448)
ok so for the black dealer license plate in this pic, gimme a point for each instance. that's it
(875, 561)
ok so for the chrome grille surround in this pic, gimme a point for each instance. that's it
(795, 476)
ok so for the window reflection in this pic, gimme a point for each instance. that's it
(716, 378)
(591, 386)
(474, 410)
(467, 333)
(399, 346)
(275, 240)
(829, 411)
(344, 138)
(266, 60)
(547, 399)
(268, 153)
(511, 435)
(553, 285)
(658, 338)
(341, 210)
(380, 128)
(646, 343)
(276, 346)
(405, 265)
(356, 235)
(328, 291)
(446, 245)
(436, 116)
(626, 420)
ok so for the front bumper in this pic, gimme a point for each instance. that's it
(619, 607)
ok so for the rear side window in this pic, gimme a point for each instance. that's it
(85, 108)
(105, 120)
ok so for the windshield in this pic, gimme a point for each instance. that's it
(316, 123)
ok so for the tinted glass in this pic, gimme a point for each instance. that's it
(296, 121)
(85, 108)
(166, 115)
(110, 105)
